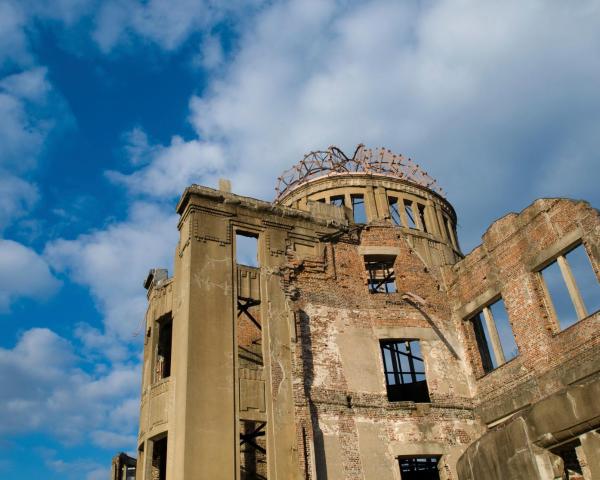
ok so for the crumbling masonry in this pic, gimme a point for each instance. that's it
(358, 342)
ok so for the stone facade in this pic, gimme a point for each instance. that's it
(281, 369)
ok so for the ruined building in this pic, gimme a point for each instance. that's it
(357, 341)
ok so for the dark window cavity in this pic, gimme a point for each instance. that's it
(404, 371)
(163, 348)
(159, 459)
(419, 468)
(421, 209)
(358, 208)
(382, 278)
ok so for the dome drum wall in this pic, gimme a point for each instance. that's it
(415, 209)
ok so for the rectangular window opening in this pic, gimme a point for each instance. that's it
(421, 209)
(164, 347)
(410, 217)
(404, 371)
(585, 278)
(568, 454)
(337, 200)
(572, 286)
(419, 468)
(394, 211)
(380, 268)
(253, 450)
(494, 336)
(358, 208)
(246, 249)
(447, 229)
(159, 459)
(505, 333)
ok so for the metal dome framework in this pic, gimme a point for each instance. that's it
(333, 161)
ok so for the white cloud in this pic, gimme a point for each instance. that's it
(23, 273)
(20, 135)
(50, 392)
(167, 24)
(487, 97)
(181, 163)
(16, 198)
(113, 263)
(29, 84)
(13, 42)
(211, 55)
(24, 127)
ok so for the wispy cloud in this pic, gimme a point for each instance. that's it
(23, 274)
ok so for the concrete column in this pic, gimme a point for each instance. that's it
(440, 219)
(371, 205)
(415, 209)
(206, 421)
(431, 219)
(148, 454)
(282, 454)
(382, 203)
(591, 447)
(567, 274)
(494, 337)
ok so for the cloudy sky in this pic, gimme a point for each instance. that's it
(108, 109)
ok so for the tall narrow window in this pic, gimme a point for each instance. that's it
(337, 200)
(380, 268)
(163, 348)
(572, 286)
(404, 371)
(421, 209)
(159, 459)
(358, 208)
(394, 212)
(419, 468)
(246, 249)
(253, 450)
(494, 336)
(410, 216)
(447, 228)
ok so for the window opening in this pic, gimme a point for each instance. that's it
(246, 249)
(482, 337)
(358, 208)
(159, 459)
(419, 468)
(421, 209)
(382, 278)
(447, 229)
(253, 450)
(494, 336)
(572, 286)
(394, 211)
(409, 214)
(568, 453)
(338, 200)
(404, 371)
(321, 200)
(163, 348)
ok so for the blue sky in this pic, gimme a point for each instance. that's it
(108, 109)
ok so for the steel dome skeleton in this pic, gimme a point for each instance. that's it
(333, 161)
